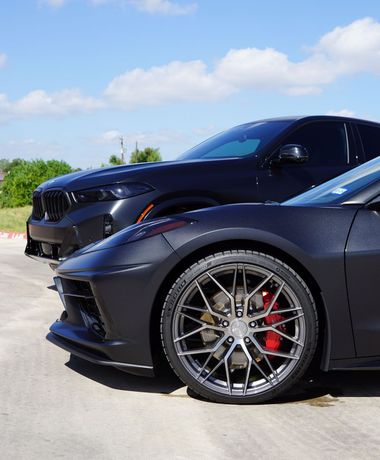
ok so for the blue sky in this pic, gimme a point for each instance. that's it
(77, 74)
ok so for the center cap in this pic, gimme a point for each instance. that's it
(239, 329)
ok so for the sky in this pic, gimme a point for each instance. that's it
(75, 75)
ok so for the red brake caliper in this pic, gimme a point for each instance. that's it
(272, 339)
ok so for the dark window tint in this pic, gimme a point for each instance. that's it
(325, 142)
(370, 140)
(240, 141)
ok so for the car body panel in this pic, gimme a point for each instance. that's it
(125, 306)
(363, 281)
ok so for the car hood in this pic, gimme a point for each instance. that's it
(104, 176)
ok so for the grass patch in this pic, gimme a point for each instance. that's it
(13, 219)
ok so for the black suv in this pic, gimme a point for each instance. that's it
(259, 161)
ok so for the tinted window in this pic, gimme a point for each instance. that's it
(325, 142)
(370, 140)
(341, 188)
(241, 141)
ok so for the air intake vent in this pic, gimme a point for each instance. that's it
(38, 211)
(56, 204)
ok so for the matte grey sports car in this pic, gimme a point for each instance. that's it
(242, 299)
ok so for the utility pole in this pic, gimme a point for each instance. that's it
(122, 151)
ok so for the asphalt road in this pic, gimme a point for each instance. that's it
(54, 406)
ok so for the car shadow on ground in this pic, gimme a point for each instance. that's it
(321, 391)
(165, 383)
(327, 387)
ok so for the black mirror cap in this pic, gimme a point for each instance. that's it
(374, 205)
(292, 153)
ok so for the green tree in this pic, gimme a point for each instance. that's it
(6, 165)
(114, 160)
(146, 155)
(23, 178)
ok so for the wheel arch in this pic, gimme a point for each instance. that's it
(182, 204)
(322, 355)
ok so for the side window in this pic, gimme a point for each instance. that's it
(326, 143)
(370, 136)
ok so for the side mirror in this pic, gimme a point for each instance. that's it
(374, 205)
(292, 153)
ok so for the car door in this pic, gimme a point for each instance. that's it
(331, 152)
(370, 139)
(363, 281)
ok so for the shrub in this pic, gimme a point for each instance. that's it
(23, 178)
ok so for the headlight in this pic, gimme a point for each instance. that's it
(112, 192)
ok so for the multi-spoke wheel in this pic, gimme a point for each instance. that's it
(239, 327)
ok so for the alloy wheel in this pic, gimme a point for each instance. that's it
(239, 329)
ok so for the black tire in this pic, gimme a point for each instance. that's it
(242, 342)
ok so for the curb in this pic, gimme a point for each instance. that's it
(12, 235)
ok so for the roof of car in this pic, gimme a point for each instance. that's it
(318, 117)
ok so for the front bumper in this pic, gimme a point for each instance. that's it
(84, 224)
(91, 351)
(108, 309)
(52, 243)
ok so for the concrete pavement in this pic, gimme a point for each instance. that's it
(54, 406)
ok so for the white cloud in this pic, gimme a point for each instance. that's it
(54, 3)
(255, 68)
(108, 137)
(175, 82)
(144, 138)
(347, 50)
(271, 69)
(156, 138)
(353, 48)
(341, 113)
(206, 131)
(170, 142)
(39, 102)
(302, 90)
(164, 7)
(32, 148)
(3, 59)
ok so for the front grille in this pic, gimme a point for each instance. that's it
(38, 210)
(56, 204)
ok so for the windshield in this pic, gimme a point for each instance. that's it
(341, 188)
(240, 141)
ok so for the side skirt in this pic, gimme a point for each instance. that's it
(363, 364)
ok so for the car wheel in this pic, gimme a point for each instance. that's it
(239, 327)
